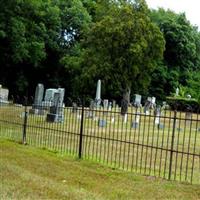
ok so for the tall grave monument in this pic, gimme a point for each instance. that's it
(3, 95)
(56, 113)
(37, 107)
(98, 94)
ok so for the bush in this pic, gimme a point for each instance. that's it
(183, 104)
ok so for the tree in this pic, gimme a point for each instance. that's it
(121, 48)
(182, 50)
(34, 36)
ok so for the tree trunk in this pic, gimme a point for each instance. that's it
(125, 100)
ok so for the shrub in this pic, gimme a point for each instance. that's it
(183, 104)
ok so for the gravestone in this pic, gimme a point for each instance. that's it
(125, 118)
(110, 106)
(114, 104)
(37, 105)
(157, 113)
(188, 116)
(102, 123)
(153, 102)
(105, 104)
(39, 92)
(149, 104)
(136, 122)
(147, 107)
(98, 94)
(56, 113)
(90, 113)
(74, 107)
(112, 119)
(3, 95)
(49, 97)
(137, 102)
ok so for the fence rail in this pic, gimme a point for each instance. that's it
(165, 145)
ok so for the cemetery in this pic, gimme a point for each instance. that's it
(134, 137)
(112, 82)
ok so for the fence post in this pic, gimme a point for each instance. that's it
(172, 144)
(25, 123)
(81, 132)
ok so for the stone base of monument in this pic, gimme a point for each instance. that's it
(54, 118)
(56, 114)
(102, 123)
(134, 125)
(4, 103)
(35, 111)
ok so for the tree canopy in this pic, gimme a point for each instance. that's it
(73, 43)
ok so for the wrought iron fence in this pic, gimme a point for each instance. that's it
(164, 145)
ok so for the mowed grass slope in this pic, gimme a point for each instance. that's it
(30, 173)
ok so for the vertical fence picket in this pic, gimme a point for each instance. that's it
(172, 145)
(81, 132)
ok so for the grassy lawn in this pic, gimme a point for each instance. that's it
(31, 173)
(116, 143)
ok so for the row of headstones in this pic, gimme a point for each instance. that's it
(52, 102)
(102, 122)
(149, 104)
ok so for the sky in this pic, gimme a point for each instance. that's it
(190, 7)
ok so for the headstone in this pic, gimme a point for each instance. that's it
(136, 122)
(157, 114)
(150, 102)
(102, 123)
(112, 120)
(37, 105)
(125, 118)
(160, 126)
(74, 107)
(110, 106)
(98, 94)
(3, 95)
(48, 98)
(137, 117)
(114, 104)
(105, 104)
(137, 102)
(147, 106)
(134, 125)
(90, 113)
(57, 109)
(153, 100)
(39, 92)
(188, 116)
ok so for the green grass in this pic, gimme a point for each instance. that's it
(31, 173)
(64, 138)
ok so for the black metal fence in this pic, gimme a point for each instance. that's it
(165, 145)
